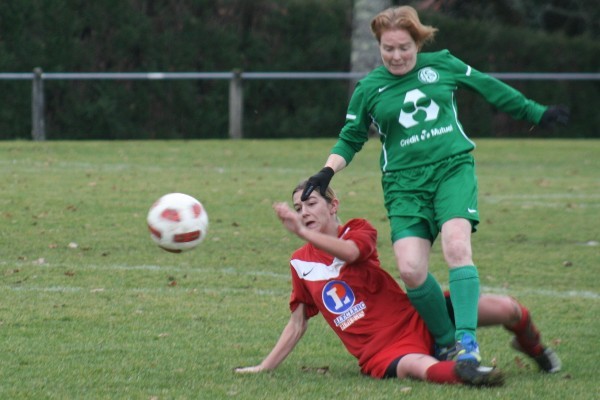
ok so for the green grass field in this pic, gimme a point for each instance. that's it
(91, 309)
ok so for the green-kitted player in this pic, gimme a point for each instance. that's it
(429, 180)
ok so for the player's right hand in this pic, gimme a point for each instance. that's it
(290, 218)
(319, 180)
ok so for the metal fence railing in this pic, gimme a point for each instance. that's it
(235, 78)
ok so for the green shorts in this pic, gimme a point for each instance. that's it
(420, 200)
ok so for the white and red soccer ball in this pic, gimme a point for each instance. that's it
(177, 222)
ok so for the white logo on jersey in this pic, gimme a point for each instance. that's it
(314, 271)
(428, 75)
(407, 118)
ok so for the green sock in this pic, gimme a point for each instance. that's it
(430, 303)
(464, 293)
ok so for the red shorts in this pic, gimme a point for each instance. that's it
(414, 339)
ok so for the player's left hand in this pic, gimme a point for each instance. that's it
(555, 115)
(319, 180)
(248, 370)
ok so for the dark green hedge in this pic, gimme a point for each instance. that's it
(262, 35)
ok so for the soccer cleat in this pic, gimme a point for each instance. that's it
(467, 364)
(446, 353)
(467, 350)
(477, 375)
(547, 360)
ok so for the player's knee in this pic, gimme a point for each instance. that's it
(413, 276)
(456, 246)
(513, 311)
(458, 258)
(505, 309)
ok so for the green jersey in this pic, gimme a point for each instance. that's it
(416, 113)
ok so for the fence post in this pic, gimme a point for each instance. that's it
(38, 131)
(236, 105)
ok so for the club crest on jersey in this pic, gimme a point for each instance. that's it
(428, 75)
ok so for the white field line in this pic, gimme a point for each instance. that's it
(29, 166)
(553, 196)
(552, 200)
(575, 294)
(571, 294)
(154, 268)
(170, 290)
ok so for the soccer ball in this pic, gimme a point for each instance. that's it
(177, 222)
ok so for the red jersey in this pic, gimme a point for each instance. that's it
(361, 302)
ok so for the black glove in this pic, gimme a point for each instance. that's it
(319, 180)
(555, 115)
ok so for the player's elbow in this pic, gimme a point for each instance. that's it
(351, 254)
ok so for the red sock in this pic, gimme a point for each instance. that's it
(442, 372)
(527, 334)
